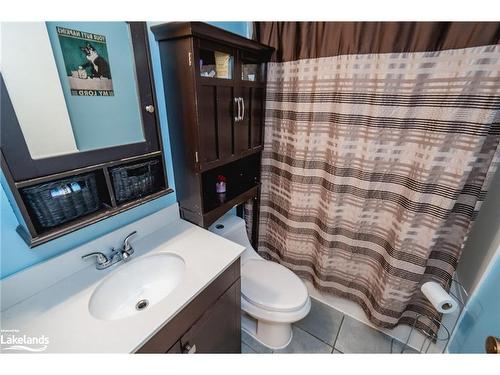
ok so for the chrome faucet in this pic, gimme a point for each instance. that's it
(127, 249)
(102, 260)
(116, 255)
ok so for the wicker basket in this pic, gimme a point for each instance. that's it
(136, 180)
(57, 202)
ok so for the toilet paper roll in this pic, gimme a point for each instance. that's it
(439, 298)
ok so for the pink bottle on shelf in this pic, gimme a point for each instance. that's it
(220, 185)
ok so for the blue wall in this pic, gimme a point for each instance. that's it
(90, 114)
(15, 255)
(481, 317)
(241, 28)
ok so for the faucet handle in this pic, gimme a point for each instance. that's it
(126, 245)
(101, 258)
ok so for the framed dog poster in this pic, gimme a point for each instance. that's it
(86, 60)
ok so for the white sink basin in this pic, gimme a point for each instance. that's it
(136, 286)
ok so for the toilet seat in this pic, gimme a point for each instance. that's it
(271, 286)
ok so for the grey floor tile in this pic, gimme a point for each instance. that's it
(245, 349)
(357, 337)
(322, 321)
(303, 342)
(254, 344)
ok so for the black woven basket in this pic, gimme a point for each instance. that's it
(57, 202)
(136, 180)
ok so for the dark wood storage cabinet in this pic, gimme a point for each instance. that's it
(211, 323)
(215, 91)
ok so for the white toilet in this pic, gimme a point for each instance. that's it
(272, 296)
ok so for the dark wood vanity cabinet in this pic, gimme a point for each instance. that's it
(219, 328)
(211, 323)
(214, 85)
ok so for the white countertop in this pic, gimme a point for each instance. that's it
(60, 311)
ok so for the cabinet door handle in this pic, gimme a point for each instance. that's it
(240, 102)
(242, 109)
(237, 117)
(188, 349)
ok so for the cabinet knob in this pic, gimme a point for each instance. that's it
(188, 349)
(150, 108)
(492, 345)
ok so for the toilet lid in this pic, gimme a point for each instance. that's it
(272, 286)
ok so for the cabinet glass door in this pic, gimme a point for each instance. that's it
(215, 61)
(252, 68)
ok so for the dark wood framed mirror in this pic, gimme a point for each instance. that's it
(24, 167)
(57, 194)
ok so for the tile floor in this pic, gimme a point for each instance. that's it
(326, 330)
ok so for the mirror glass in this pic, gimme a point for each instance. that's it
(72, 84)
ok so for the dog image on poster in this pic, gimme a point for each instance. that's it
(86, 61)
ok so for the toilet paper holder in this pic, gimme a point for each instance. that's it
(443, 333)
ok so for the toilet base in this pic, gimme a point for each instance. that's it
(270, 334)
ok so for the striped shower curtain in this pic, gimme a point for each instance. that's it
(378, 153)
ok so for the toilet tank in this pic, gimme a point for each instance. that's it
(234, 229)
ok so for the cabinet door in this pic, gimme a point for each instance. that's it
(251, 81)
(219, 328)
(215, 90)
(248, 131)
(255, 100)
(256, 116)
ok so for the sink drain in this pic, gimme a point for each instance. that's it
(142, 304)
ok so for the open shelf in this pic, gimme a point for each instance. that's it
(104, 213)
(135, 180)
(210, 217)
(242, 182)
(214, 200)
(54, 205)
